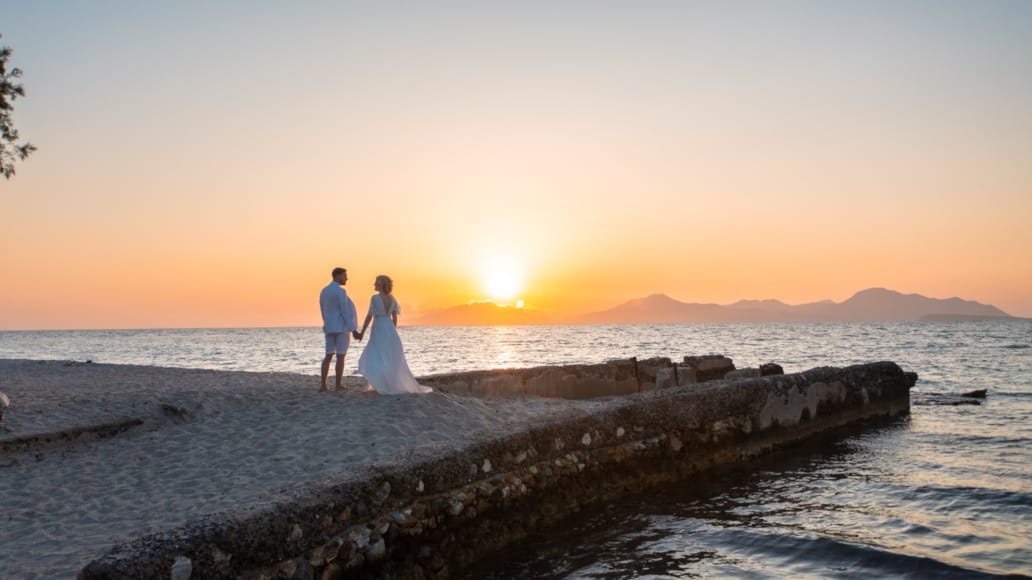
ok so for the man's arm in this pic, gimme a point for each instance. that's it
(342, 299)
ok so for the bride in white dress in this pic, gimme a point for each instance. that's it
(383, 361)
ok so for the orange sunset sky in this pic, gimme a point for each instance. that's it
(207, 164)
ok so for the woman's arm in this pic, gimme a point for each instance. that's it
(365, 325)
(394, 317)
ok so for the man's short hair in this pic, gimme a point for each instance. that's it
(337, 272)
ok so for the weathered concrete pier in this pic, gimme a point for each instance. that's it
(430, 514)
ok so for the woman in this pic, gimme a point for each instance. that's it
(383, 361)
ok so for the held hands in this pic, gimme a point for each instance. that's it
(357, 335)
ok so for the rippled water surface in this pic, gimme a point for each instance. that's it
(946, 492)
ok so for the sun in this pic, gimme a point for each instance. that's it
(501, 279)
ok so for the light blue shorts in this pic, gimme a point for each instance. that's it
(337, 342)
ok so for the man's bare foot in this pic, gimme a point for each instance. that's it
(323, 389)
(340, 387)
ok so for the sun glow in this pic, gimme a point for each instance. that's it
(501, 279)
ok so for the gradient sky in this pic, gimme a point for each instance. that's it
(208, 163)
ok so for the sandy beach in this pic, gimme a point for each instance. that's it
(181, 444)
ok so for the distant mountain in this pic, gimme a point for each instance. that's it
(662, 308)
(870, 304)
(882, 304)
(775, 305)
(482, 314)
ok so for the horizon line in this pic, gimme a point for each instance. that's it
(974, 318)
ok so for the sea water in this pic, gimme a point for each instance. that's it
(945, 492)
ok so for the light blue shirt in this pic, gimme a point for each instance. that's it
(338, 311)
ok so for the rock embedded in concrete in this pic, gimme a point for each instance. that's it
(666, 377)
(675, 442)
(377, 550)
(710, 367)
(740, 374)
(686, 375)
(383, 491)
(181, 569)
(219, 557)
(655, 373)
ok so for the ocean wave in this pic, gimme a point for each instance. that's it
(795, 554)
(955, 437)
(1017, 346)
(961, 497)
(714, 548)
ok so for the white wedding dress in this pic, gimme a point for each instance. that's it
(383, 361)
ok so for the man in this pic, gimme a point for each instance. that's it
(339, 323)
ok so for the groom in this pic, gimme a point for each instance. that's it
(339, 323)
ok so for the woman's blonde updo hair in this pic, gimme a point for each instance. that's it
(385, 283)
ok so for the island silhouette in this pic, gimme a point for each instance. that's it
(872, 304)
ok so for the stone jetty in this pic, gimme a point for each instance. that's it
(593, 381)
(433, 512)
